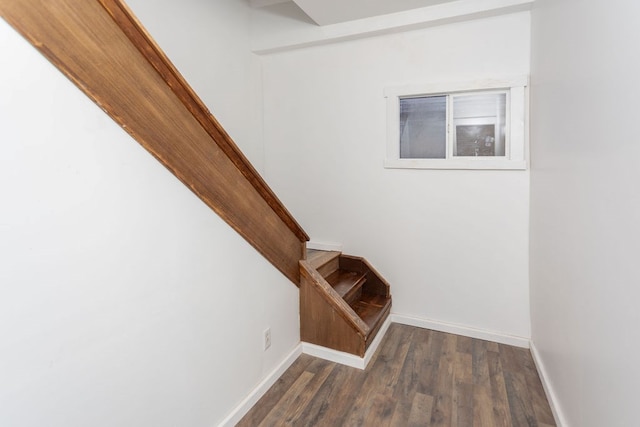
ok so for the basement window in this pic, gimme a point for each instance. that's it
(478, 125)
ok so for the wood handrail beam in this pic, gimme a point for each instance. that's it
(102, 48)
(138, 35)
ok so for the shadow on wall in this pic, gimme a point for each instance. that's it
(288, 10)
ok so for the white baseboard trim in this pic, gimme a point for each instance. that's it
(361, 362)
(241, 410)
(466, 331)
(558, 415)
(324, 246)
(347, 358)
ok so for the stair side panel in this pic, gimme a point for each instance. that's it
(322, 324)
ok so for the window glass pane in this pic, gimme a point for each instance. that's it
(423, 127)
(479, 124)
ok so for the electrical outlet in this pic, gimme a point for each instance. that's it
(267, 339)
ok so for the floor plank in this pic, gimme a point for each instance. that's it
(406, 390)
(502, 415)
(462, 405)
(381, 411)
(482, 400)
(520, 403)
(273, 396)
(280, 410)
(443, 394)
(540, 404)
(421, 407)
(322, 371)
(418, 377)
(334, 398)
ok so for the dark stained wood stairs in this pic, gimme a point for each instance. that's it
(343, 301)
(102, 48)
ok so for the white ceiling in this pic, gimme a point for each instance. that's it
(326, 12)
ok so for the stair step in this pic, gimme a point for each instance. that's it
(344, 301)
(347, 283)
(371, 308)
(325, 262)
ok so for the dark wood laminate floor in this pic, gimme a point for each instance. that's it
(418, 377)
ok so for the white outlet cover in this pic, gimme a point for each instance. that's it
(267, 338)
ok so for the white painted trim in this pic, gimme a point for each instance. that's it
(474, 163)
(347, 358)
(445, 87)
(515, 87)
(243, 407)
(414, 19)
(361, 362)
(324, 246)
(558, 415)
(466, 331)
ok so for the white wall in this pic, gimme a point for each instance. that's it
(453, 244)
(124, 300)
(585, 205)
(285, 26)
(208, 41)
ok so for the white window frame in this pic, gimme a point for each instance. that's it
(516, 144)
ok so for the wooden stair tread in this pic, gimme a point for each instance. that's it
(318, 258)
(371, 308)
(346, 283)
(344, 302)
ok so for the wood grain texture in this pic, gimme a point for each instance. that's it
(417, 377)
(273, 396)
(103, 49)
(326, 319)
(329, 267)
(346, 283)
(375, 282)
(317, 258)
(323, 290)
(338, 310)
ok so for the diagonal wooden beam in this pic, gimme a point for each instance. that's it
(105, 51)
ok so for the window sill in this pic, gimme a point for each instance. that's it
(473, 163)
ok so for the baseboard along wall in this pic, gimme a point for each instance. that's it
(346, 358)
(243, 407)
(465, 331)
(558, 415)
(361, 363)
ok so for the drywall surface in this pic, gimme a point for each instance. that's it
(124, 300)
(585, 205)
(286, 26)
(208, 41)
(333, 11)
(453, 244)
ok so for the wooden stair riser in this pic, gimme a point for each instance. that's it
(374, 332)
(375, 283)
(328, 268)
(347, 283)
(354, 295)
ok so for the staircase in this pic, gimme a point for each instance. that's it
(101, 47)
(343, 301)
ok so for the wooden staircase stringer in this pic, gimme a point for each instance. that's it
(103, 49)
